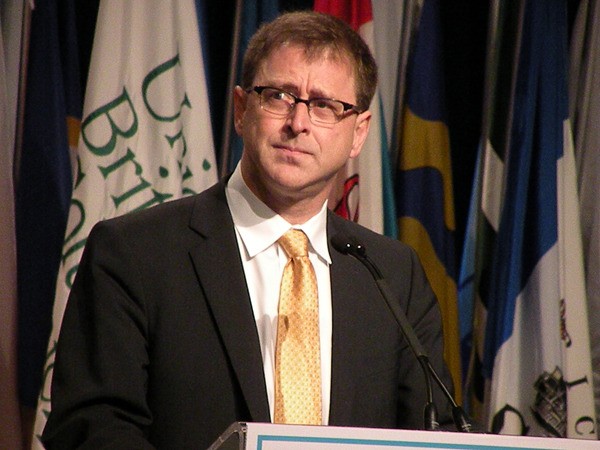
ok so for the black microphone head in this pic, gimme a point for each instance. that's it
(341, 243)
(348, 246)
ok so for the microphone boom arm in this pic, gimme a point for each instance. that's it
(430, 414)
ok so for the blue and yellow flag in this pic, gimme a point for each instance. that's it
(424, 196)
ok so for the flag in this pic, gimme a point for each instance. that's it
(486, 200)
(467, 303)
(363, 177)
(584, 107)
(249, 16)
(424, 192)
(43, 191)
(532, 319)
(391, 42)
(146, 134)
(387, 17)
(10, 54)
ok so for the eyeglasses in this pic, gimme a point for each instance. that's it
(325, 111)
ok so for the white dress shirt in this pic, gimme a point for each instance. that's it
(257, 230)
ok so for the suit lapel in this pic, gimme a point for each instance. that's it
(219, 269)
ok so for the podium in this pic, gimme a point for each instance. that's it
(267, 436)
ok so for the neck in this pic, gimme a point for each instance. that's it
(294, 210)
(295, 206)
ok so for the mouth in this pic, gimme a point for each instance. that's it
(292, 150)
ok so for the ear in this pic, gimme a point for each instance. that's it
(240, 98)
(361, 130)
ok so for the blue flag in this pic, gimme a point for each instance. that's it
(53, 99)
(534, 334)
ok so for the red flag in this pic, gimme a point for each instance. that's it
(365, 172)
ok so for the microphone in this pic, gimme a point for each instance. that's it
(347, 246)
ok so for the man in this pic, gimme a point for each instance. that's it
(171, 330)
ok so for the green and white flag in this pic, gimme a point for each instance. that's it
(146, 134)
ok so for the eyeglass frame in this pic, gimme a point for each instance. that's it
(347, 106)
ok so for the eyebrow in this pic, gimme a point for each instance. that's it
(293, 89)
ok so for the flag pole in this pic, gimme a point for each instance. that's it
(228, 119)
(28, 7)
(410, 18)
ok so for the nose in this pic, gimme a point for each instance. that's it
(299, 119)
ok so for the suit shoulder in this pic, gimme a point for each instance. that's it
(170, 211)
(173, 212)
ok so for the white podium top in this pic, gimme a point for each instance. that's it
(266, 436)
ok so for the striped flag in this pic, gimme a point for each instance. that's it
(584, 99)
(362, 177)
(146, 134)
(486, 200)
(531, 326)
(424, 192)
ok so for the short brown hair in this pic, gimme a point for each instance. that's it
(319, 34)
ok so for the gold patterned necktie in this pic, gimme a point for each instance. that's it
(297, 353)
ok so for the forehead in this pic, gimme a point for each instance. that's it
(312, 72)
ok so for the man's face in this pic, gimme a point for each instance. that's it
(289, 159)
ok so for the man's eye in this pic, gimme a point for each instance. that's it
(322, 104)
(277, 95)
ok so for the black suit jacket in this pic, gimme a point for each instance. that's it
(159, 346)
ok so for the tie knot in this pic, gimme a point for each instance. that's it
(295, 243)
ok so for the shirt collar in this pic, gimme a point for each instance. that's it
(260, 227)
